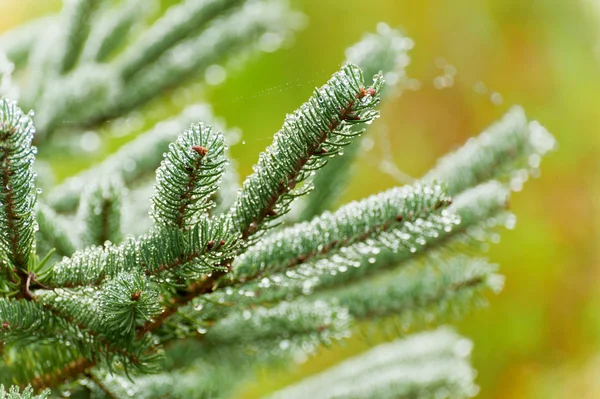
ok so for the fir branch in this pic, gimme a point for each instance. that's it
(54, 231)
(225, 195)
(113, 27)
(26, 321)
(422, 365)
(132, 161)
(87, 310)
(319, 129)
(41, 64)
(170, 251)
(128, 301)
(445, 288)
(100, 211)
(100, 385)
(76, 98)
(17, 43)
(136, 208)
(202, 380)
(17, 193)
(7, 87)
(223, 39)
(303, 324)
(505, 148)
(76, 16)
(38, 359)
(384, 217)
(179, 22)
(68, 372)
(479, 210)
(189, 174)
(27, 393)
(105, 93)
(385, 52)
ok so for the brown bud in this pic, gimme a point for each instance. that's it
(444, 202)
(399, 218)
(202, 151)
(371, 91)
(252, 228)
(5, 325)
(361, 93)
(221, 243)
(272, 212)
(136, 296)
(210, 245)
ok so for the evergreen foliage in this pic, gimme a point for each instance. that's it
(117, 284)
(431, 364)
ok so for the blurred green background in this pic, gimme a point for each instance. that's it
(540, 338)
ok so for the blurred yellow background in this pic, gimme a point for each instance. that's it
(540, 338)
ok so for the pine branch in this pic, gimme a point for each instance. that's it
(17, 193)
(505, 148)
(189, 174)
(100, 211)
(133, 161)
(319, 129)
(421, 365)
